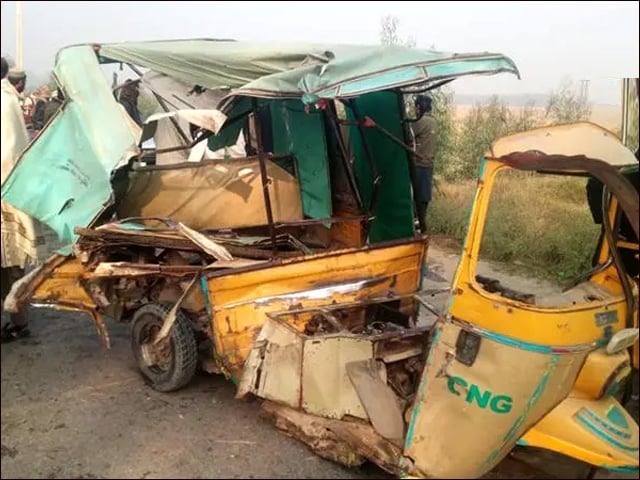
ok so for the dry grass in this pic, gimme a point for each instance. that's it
(607, 116)
(541, 223)
(537, 223)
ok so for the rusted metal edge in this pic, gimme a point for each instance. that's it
(168, 239)
(422, 239)
(23, 288)
(203, 163)
(409, 332)
(127, 269)
(98, 321)
(343, 441)
(170, 319)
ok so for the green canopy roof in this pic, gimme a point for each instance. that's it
(297, 70)
(63, 178)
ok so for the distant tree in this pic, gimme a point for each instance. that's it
(443, 97)
(443, 111)
(480, 128)
(389, 36)
(389, 33)
(565, 105)
(483, 125)
(524, 119)
(389, 30)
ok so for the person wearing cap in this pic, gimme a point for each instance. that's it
(14, 140)
(17, 78)
(424, 131)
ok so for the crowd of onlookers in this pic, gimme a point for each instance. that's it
(38, 106)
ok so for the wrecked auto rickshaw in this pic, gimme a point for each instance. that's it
(297, 270)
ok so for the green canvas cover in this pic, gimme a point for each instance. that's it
(303, 136)
(218, 64)
(62, 178)
(393, 208)
(272, 70)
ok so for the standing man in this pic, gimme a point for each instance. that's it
(14, 140)
(52, 106)
(128, 98)
(424, 133)
(18, 79)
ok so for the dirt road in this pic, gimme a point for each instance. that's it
(72, 410)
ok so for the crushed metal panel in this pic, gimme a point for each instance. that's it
(346, 442)
(573, 139)
(238, 298)
(274, 367)
(506, 389)
(214, 249)
(24, 288)
(63, 291)
(217, 192)
(326, 388)
(380, 402)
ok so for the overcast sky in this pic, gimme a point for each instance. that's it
(548, 41)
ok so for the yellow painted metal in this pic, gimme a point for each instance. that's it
(609, 277)
(563, 326)
(628, 245)
(240, 301)
(63, 285)
(470, 416)
(599, 371)
(584, 429)
(550, 344)
(59, 284)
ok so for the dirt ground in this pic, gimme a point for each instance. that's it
(72, 410)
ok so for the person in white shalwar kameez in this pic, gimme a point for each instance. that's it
(15, 224)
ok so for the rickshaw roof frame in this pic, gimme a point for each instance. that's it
(300, 70)
(595, 142)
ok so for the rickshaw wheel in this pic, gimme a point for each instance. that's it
(179, 358)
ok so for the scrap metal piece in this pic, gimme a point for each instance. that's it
(345, 442)
(101, 328)
(12, 302)
(209, 246)
(170, 319)
(378, 399)
(112, 235)
(128, 269)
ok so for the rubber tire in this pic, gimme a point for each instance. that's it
(184, 359)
